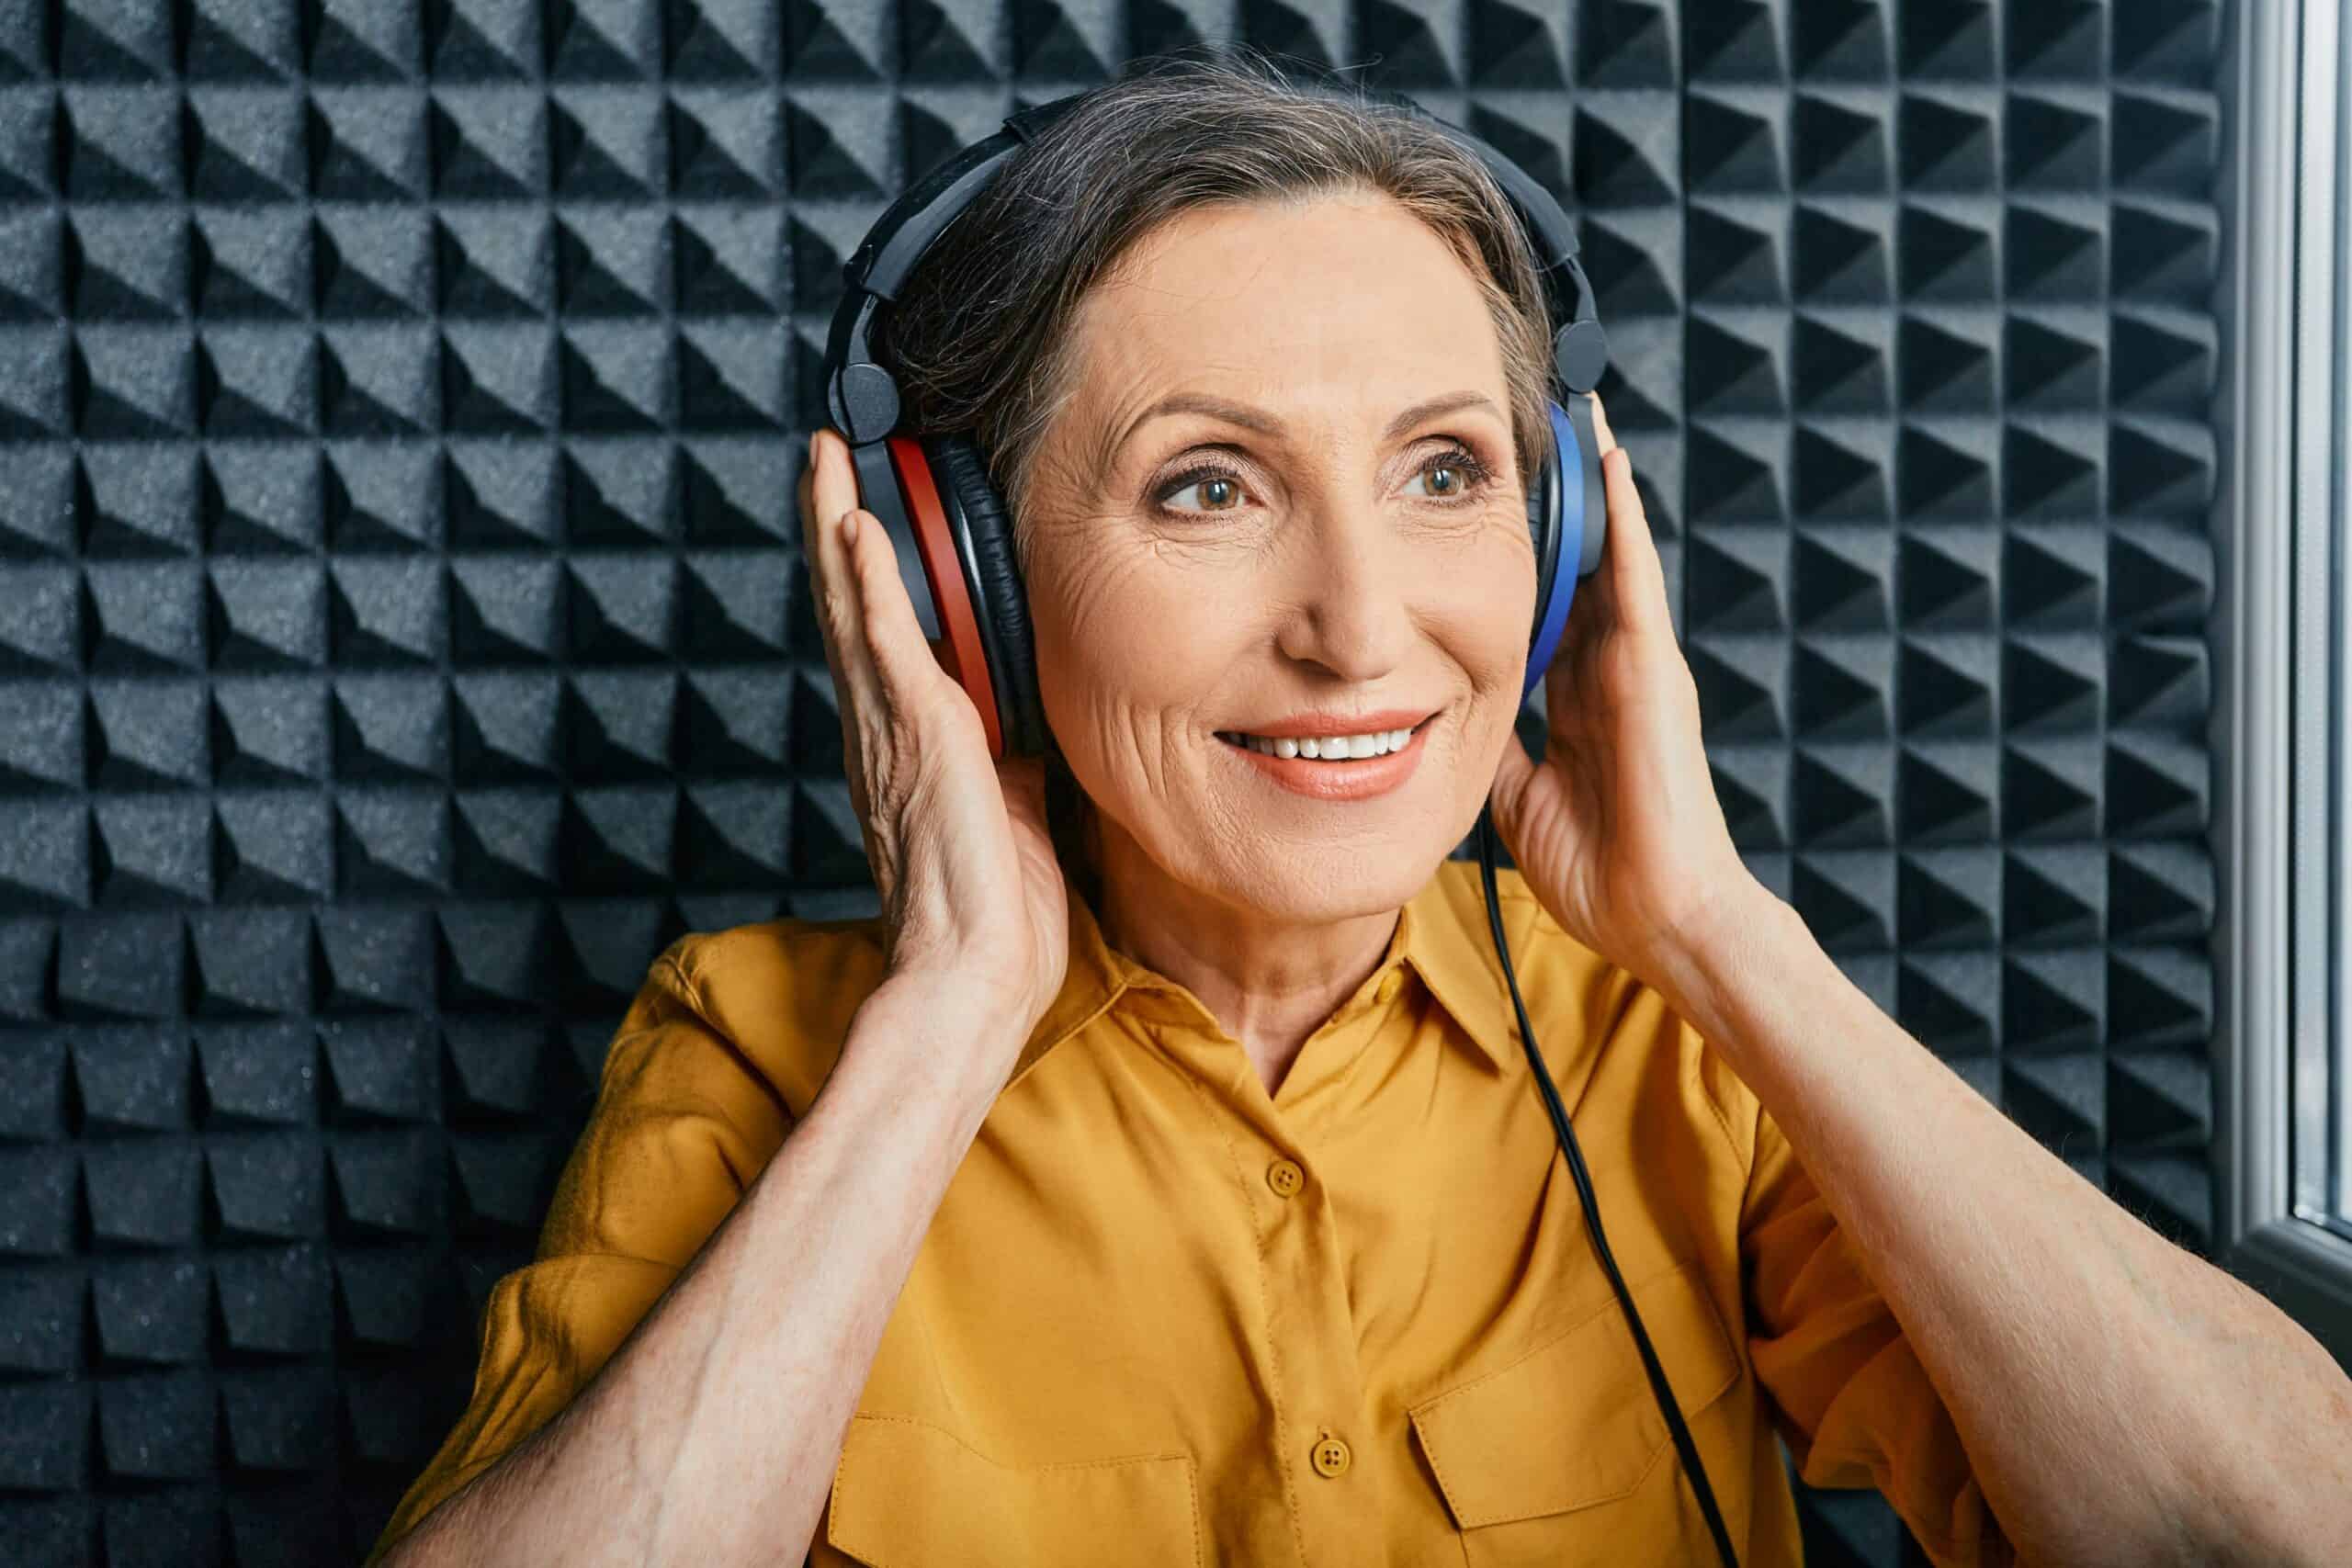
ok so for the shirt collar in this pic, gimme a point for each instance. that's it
(1448, 944)
(1441, 934)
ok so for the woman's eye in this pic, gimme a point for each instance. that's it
(1219, 491)
(1452, 475)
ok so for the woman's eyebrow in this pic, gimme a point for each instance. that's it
(1265, 423)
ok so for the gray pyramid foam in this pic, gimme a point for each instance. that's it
(401, 634)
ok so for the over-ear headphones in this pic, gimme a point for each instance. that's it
(951, 529)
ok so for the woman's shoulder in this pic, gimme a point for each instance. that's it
(781, 992)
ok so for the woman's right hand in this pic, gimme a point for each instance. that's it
(972, 894)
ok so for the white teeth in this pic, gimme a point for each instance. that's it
(1374, 743)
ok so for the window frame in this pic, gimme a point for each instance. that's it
(2278, 526)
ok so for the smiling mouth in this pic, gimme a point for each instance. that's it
(1339, 749)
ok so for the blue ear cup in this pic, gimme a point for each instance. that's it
(1568, 515)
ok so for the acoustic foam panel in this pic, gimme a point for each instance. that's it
(402, 635)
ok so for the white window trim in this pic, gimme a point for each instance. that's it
(2272, 936)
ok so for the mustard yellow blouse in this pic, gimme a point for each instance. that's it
(1164, 1318)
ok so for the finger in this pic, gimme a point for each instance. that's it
(856, 687)
(811, 555)
(1595, 610)
(814, 525)
(1024, 782)
(1604, 436)
(1637, 577)
(832, 475)
(901, 656)
(804, 503)
(839, 615)
(1564, 680)
(1503, 797)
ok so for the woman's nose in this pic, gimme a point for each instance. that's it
(1354, 617)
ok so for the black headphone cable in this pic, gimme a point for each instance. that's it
(1682, 1443)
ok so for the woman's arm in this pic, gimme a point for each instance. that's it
(710, 1433)
(2121, 1401)
(711, 1436)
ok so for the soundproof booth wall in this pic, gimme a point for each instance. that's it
(404, 634)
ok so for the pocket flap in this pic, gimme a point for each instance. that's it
(1573, 1422)
(909, 1495)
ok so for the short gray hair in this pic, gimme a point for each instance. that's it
(979, 339)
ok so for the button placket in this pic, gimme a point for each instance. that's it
(1312, 1373)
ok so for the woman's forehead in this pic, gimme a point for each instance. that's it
(1288, 264)
(1294, 320)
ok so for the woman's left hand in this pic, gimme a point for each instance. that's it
(1618, 830)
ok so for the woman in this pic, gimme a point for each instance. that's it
(1172, 1189)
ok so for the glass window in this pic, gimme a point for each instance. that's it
(2283, 639)
(2322, 1075)
(2323, 1182)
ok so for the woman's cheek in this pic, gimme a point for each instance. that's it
(1127, 651)
(1487, 607)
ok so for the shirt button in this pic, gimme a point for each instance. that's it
(1285, 1177)
(1331, 1456)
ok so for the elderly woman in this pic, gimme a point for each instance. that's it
(1173, 1189)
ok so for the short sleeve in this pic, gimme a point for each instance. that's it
(1853, 1402)
(682, 1122)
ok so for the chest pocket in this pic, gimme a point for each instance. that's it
(909, 1495)
(1573, 1425)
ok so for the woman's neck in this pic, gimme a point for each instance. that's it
(1269, 982)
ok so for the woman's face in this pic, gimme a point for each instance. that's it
(1312, 555)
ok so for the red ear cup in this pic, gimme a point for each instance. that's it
(959, 648)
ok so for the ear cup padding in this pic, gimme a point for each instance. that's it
(934, 539)
(1553, 517)
(1583, 529)
(1001, 605)
(1544, 528)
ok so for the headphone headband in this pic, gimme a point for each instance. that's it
(863, 399)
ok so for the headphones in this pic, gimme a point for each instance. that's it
(951, 529)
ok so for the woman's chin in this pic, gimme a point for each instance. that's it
(1318, 887)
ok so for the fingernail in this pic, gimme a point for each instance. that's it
(849, 527)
